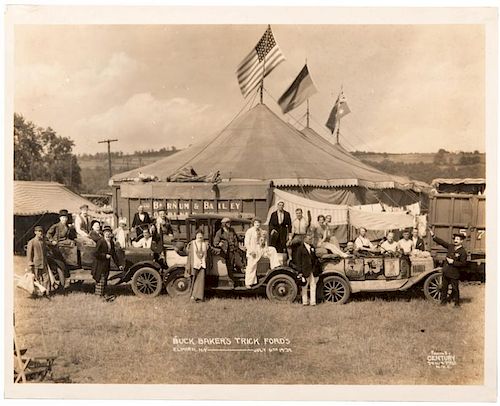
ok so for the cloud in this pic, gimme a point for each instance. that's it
(145, 122)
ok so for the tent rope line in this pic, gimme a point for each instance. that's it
(219, 134)
(367, 168)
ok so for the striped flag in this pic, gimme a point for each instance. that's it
(340, 110)
(259, 63)
(298, 92)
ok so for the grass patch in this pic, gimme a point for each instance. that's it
(370, 340)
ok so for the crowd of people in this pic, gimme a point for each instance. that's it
(302, 242)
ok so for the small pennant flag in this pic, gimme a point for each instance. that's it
(259, 63)
(298, 92)
(340, 109)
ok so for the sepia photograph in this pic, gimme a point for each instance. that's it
(225, 196)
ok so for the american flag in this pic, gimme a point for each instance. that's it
(259, 63)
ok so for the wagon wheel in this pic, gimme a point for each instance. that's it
(335, 289)
(146, 282)
(179, 285)
(432, 287)
(281, 289)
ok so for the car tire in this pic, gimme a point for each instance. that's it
(432, 287)
(335, 289)
(281, 288)
(146, 282)
(179, 285)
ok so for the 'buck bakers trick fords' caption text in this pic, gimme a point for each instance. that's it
(231, 344)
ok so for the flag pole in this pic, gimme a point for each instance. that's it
(337, 113)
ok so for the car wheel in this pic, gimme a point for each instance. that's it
(146, 282)
(432, 287)
(335, 289)
(281, 289)
(179, 285)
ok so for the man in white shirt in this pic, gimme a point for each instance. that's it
(405, 244)
(389, 246)
(83, 222)
(361, 243)
(145, 241)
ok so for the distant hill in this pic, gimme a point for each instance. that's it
(418, 166)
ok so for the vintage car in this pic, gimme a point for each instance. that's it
(149, 274)
(341, 277)
(280, 283)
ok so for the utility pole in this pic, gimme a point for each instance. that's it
(109, 153)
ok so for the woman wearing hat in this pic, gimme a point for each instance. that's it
(104, 252)
(196, 265)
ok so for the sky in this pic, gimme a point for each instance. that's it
(410, 88)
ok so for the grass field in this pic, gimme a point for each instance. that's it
(370, 340)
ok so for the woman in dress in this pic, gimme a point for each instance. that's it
(196, 266)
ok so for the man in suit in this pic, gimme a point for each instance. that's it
(141, 221)
(37, 258)
(61, 232)
(227, 240)
(104, 252)
(418, 242)
(307, 262)
(280, 224)
(82, 222)
(456, 258)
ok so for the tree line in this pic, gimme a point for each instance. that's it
(42, 155)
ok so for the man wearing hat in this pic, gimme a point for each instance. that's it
(227, 240)
(37, 258)
(60, 233)
(104, 252)
(456, 258)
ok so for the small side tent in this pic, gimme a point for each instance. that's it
(38, 203)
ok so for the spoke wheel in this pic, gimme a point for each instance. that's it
(281, 289)
(179, 285)
(335, 289)
(146, 282)
(432, 287)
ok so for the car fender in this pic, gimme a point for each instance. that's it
(132, 269)
(282, 270)
(173, 272)
(420, 278)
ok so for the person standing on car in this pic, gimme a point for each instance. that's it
(164, 227)
(254, 252)
(196, 266)
(227, 240)
(140, 222)
(280, 224)
(37, 258)
(104, 252)
(456, 259)
(307, 262)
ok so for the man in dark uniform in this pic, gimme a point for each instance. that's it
(456, 258)
(227, 240)
(280, 224)
(61, 232)
(104, 252)
(140, 222)
(307, 262)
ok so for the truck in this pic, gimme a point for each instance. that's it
(459, 206)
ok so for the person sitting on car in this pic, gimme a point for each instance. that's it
(350, 248)
(61, 233)
(405, 244)
(164, 227)
(322, 238)
(146, 241)
(389, 247)
(418, 242)
(121, 234)
(362, 243)
(141, 221)
(96, 233)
